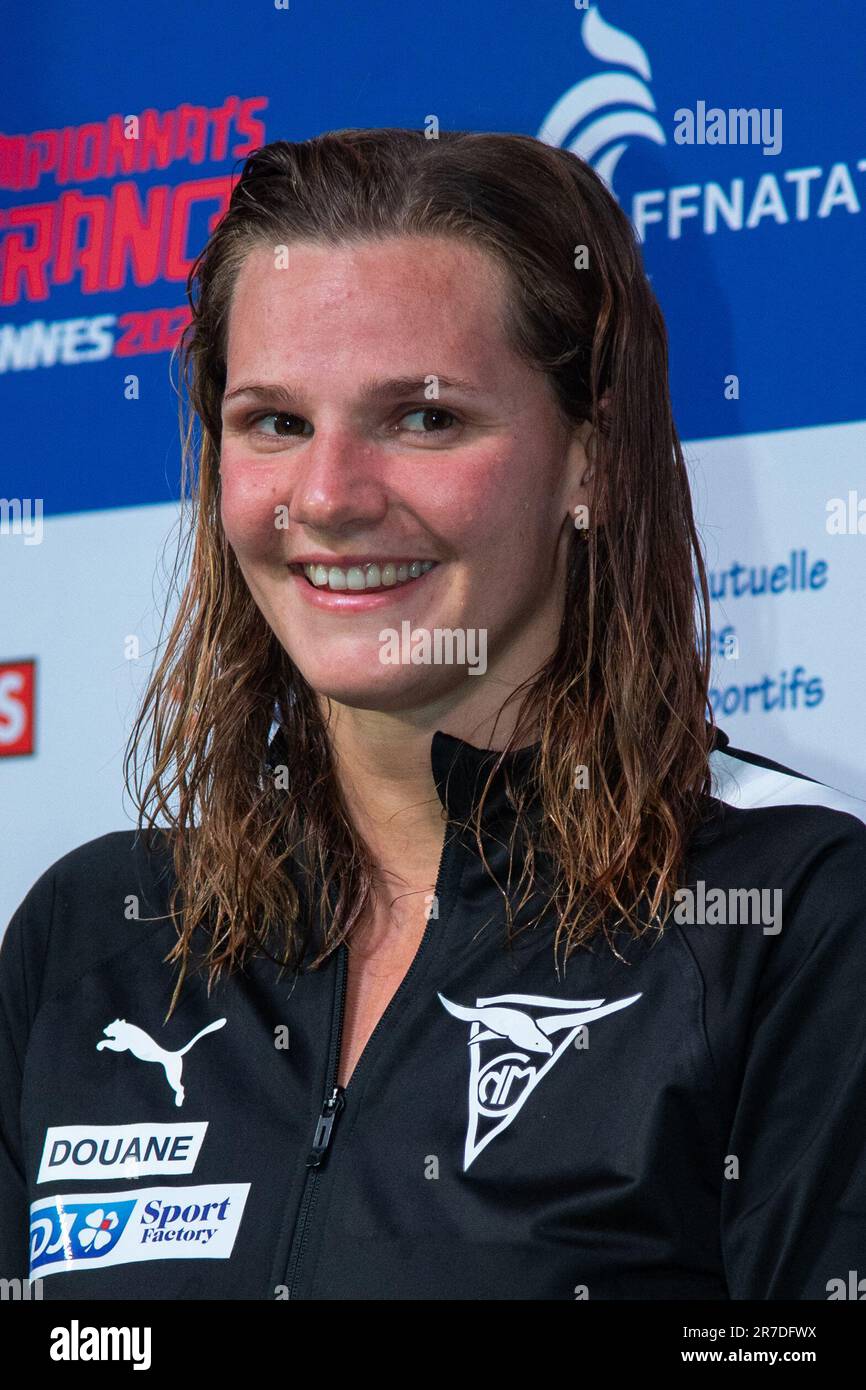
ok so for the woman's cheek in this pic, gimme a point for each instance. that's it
(250, 507)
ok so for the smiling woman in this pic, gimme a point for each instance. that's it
(405, 926)
(398, 362)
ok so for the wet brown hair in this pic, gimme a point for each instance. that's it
(624, 695)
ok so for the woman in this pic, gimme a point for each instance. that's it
(456, 955)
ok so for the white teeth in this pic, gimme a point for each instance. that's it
(370, 576)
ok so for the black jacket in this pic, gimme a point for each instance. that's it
(688, 1121)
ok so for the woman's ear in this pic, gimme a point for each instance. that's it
(579, 470)
(583, 449)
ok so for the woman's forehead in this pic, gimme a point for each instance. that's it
(398, 272)
(366, 307)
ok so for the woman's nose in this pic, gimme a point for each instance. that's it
(338, 481)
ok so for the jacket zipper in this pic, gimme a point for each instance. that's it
(334, 1100)
(333, 1104)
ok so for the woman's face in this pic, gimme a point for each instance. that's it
(375, 417)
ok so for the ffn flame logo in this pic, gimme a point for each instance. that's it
(574, 123)
(500, 1085)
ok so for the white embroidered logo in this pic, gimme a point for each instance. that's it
(121, 1036)
(501, 1085)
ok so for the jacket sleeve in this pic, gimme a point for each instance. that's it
(794, 1219)
(22, 954)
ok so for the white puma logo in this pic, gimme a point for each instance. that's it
(121, 1036)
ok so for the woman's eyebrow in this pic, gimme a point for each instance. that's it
(388, 388)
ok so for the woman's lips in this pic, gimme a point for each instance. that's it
(355, 600)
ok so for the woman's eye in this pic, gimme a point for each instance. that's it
(285, 425)
(429, 411)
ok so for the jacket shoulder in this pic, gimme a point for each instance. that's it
(99, 864)
(94, 902)
(750, 781)
(769, 826)
(775, 880)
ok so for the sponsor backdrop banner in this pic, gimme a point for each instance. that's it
(731, 133)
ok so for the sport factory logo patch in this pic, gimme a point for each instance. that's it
(153, 1223)
(500, 1084)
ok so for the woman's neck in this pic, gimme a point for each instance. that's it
(383, 766)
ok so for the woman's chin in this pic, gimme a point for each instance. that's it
(388, 688)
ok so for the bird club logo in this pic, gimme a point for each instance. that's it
(514, 1041)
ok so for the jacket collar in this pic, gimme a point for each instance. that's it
(460, 772)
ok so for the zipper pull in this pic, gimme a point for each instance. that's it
(322, 1138)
